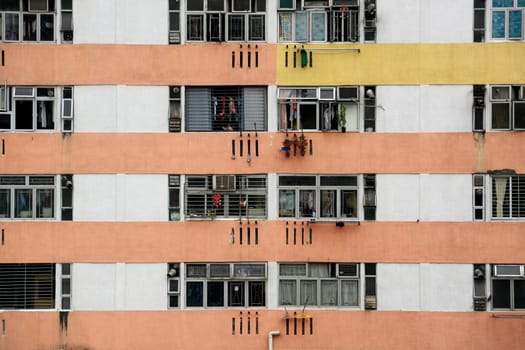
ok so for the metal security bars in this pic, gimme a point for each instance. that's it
(225, 108)
(508, 197)
(27, 286)
(65, 287)
(225, 196)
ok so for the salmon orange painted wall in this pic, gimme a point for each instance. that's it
(393, 330)
(432, 242)
(206, 153)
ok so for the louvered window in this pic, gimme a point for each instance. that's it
(508, 197)
(225, 108)
(27, 286)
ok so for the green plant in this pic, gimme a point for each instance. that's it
(341, 116)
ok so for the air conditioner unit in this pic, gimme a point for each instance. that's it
(370, 302)
(224, 183)
(286, 5)
(348, 271)
(174, 37)
(327, 93)
(480, 303)
(347, 93)
(508, 270)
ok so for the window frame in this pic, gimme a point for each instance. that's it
(508, 197)
(512, 296)
(24, 12)
(229, 281)
(334, 275)
(506, 11)
(516, 96)
(34, 189)
(317, 190)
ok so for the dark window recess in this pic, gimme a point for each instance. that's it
(67, 197)
(27, 286)
(480, 299)
(370, 21)
(370, 109)
(479, 21)
(478, 108)
(369, 199)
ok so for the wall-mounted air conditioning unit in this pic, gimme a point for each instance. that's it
(348, 93)
(370, 302)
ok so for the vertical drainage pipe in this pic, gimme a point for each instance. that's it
(270, 338)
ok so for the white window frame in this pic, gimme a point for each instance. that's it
(317, 189)
(333, 277)
(67, 118)
(38, 13)
(511, 197)
(226, 280)
(12, 188)
(512, 280)
(513, 99)
(175, 269)
(506, 11)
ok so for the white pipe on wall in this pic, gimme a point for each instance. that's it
(270, 338)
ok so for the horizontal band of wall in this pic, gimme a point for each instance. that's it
(211, 153)
(439, 242)
(211, 64)
(395, 330)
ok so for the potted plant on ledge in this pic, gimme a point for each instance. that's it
(342, 117)
(287, 146)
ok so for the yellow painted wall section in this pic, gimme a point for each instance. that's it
(335, 330)
(210, 153)
(94, 64)
(403, 64)
(211, 241)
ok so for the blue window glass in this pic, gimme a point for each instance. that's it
(301, 26)
(515, 23)
(498, 24)
(521, 3)
(318, 26)
(502, 3)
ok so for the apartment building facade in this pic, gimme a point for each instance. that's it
(268, 173)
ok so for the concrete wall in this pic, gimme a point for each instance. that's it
(424, 287)
(119, 286)
(104, 108)
(121, 198)
(424, 197)
(424, 108)
(121, 21)
(424, 21)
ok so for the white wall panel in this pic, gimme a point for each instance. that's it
(397, 197)
(145, 287)
(143, 108)
(95, 108)
(448, 21)
(142, 22)
(446, 197)
(398, 286)
(425, 21)
(446, 287)
(94, 21)
(446, 108)
(143, 197)
(93, 286)
(94, 198)
(400, 112)
(398, 21)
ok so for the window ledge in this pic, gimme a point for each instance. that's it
(508, 314)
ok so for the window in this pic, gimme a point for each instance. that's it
(67, 109)
(174, 197)
(66, 27)
(27, 286)
(225, 285)
(173, 285)
(174, 13)
(370, 287)
(319, 284)
(175, 116)
(479, 20)
(225, 108)
(30, 109)
(27, 197)
(28, 20)
(508, 107)
(66, 287)
(318, 108)
(507, 19)
(225, 196)
(478, 108)
(321, 21)
(508, 287)
(508, 196)
(479, 197)
(326, 197)
(226, 20)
